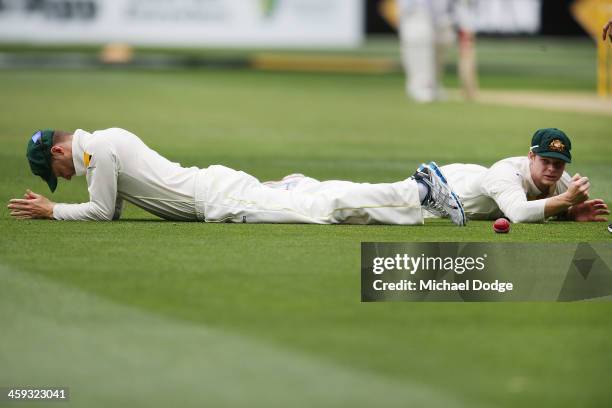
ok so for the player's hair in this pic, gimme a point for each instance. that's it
(60, 136)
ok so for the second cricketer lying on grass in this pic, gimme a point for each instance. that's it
(524, 189)
(530, 188)
(119, 166)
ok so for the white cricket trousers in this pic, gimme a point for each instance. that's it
(226, 195)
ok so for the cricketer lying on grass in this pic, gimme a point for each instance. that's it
(524, 189)
(529, 188)
(119, 166)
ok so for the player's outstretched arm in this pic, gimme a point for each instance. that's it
(101, 185)
(577, 193)
(31, 206)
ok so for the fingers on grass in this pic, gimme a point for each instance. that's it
(21, 215)
(18, 201)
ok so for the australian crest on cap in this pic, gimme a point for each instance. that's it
(556, 145)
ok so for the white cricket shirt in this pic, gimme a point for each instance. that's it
(119, 166)
(505, 189)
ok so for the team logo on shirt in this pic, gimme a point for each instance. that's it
(556, 145)
(87, 159)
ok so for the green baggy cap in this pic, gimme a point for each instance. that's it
(39, 156)
(553, 143)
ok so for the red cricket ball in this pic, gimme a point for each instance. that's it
(501, 226)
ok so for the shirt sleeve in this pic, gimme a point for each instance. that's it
(505, 185)
(102, 186)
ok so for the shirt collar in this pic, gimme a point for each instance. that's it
(80, 139)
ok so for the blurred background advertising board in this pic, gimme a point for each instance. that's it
(503, 16)
(210, 23)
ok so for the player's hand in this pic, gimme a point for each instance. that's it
(607, 31)
(592, 210)
(31, 206)
(578, 190)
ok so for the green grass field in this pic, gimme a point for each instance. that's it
(144, 312)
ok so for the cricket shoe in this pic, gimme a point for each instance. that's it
(441, 199)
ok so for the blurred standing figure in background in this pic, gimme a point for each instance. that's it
(427, 30)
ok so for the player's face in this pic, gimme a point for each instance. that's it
(546, 171)
(62, 166)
